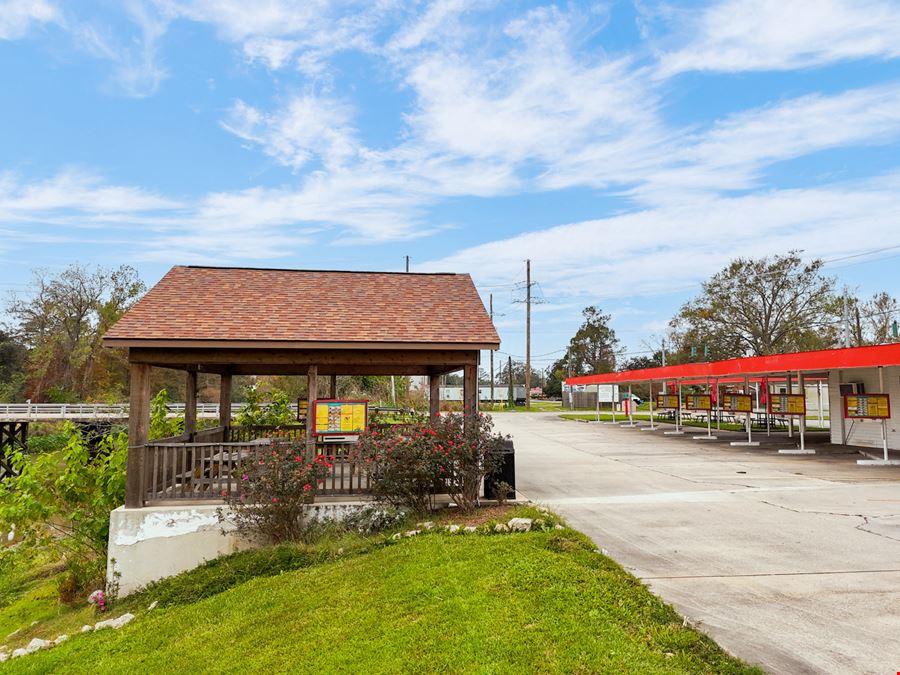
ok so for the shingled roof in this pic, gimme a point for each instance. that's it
(258, 307)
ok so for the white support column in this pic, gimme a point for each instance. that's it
(679, 430)
(652, 427)
(630, 423)
(819, 404)
(718, 407)
(749, 442)
(790, 418)
(886, 461)
(802, 449)
(768, 416)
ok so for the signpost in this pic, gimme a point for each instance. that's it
(673, 402)
(339, 418)
(870, 407)
(749, 442)
(629, 410)
(737, 403)
(792, 405)
(702, 402)
(652, 427)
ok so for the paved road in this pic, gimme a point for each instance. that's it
(792, 563)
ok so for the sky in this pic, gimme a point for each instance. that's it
(629, 148)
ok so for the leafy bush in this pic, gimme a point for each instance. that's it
(412, 462)
(255, 413)
(60, 502)
(49, 443)
(273, 488)
(161, 425)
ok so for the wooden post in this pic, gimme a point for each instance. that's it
(470, 389)
(311, 395)
(190, 404)
(333, 387)
(138, 433)
(434, 396)
(225, 401)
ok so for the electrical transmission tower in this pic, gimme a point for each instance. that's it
(529, 299)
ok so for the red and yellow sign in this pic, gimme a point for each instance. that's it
(698, 402)
(667, 401)
(867, 406)
(787, 404)
(341, 417)
(737, 403)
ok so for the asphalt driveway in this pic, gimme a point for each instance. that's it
(790, 562)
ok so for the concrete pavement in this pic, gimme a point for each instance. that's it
(790, 562)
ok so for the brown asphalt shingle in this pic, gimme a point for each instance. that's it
(222, 303)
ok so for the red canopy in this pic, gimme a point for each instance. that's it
(778, 364)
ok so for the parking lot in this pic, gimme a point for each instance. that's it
(790, 562)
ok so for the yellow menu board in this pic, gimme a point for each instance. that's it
(698, 402)
(667, 401)
(787, 404)
(867, 406)
(740, 403)
(341, 417)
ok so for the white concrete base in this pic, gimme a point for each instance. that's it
(744, 444)
(160, 541)
(628, 425)
(878, 462)
(796, 451)
(705, 438)
(674, 433)
(650, 428)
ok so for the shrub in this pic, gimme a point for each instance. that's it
(161, 425)
(60, 502)
(273, 488)
(412, 462)
(254, 413)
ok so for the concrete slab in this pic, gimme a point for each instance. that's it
(790, 562)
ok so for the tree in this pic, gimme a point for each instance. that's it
(759, 306)
(12, 358)
(879, 314)
(62, 323)
(593, 348)
(641, 362)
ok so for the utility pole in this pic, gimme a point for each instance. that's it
(846, 320)
(509, 375)
(407, 264)
(569, 369)
(528, 335)
(491, 302)
(664, 352)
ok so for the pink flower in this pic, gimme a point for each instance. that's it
(245, 477)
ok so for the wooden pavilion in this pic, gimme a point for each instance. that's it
(247, 321)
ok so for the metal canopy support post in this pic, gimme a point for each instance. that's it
(790, 419)
(718, 407)
(749, 442)
(802, 449)
(819, 403)
(630, 424)
(768, 416)
(708, 436)
(652, 427)
(678, 430)
(613, 390)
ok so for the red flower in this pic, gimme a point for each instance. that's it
(274, 500)
(307, 487)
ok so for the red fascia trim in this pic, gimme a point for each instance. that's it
(777, 364)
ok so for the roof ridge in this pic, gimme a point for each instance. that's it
(290, 269)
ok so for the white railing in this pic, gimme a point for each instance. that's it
(61, 411)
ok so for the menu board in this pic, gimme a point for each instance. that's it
(787, 404)
(341, 417)
(667, 401)
(739, 403)
(302, 409)
(698, 402)
(867, 406)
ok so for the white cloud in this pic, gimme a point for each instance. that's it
(18, 16)
(672, 247)
(741, 35)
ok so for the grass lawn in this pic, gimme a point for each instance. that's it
(506, 603)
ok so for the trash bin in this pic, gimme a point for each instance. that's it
(506, 471)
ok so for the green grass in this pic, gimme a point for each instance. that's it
(536, 602)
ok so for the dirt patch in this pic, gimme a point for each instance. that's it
(479, 516)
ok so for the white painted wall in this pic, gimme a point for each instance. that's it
(865, 433)
(161, 541)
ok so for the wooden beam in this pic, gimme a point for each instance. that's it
(333, 392)
(434, 396)
(311, 395)
(470, 390)
(269, 369)
(225, 400)
(190, 402)
(182, 357)
(138, 434)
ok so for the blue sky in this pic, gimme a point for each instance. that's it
(628, 148)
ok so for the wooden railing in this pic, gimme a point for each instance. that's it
(211, 470)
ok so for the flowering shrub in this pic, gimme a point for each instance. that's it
(412, 463)
(98, 599)
(273, 487)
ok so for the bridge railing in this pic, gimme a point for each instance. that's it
(37, 411)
